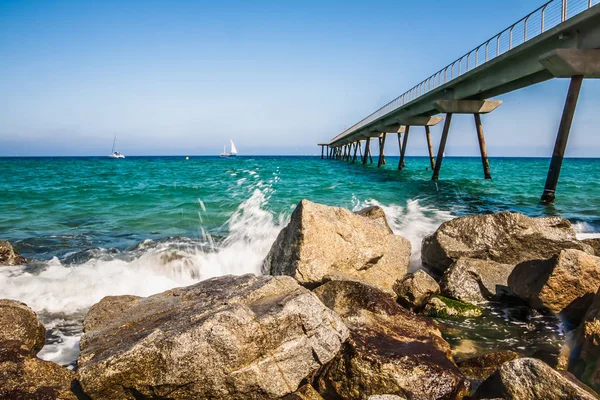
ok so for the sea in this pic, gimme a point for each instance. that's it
(93, 226)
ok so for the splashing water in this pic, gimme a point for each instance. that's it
(95, 228)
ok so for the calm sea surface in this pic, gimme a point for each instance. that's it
(97, 226)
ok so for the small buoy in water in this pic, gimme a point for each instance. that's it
(187, 158)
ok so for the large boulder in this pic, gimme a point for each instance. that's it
(565, 283)
(377, 214)
(585, 358)
(595, 244)
(23, 376)
(390, 351)
(473, 281)
(505, 237)
(322, 243)
(19, 323)
(232, 337)
(9, 256)
(415, 289)
(532, 379)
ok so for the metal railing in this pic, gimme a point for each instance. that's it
(533, 24)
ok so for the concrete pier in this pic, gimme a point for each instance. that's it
(565, 48)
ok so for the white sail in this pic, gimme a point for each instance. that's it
(233, 149)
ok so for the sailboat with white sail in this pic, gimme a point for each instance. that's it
(232, 150)
(115, 154)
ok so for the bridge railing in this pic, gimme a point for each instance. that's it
(533, 24)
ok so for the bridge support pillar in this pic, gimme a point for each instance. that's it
(482, 149)
(381, 160)
(360, 153)
(561, 139)
(475, 107)
(429, 147)
(403, 150)
(355, 151)
(322, 151)
(367, 150)
(440, 155)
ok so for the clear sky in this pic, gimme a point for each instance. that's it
(182, 77)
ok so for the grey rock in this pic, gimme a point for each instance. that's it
(585, 357)
(532, 379)
(322, 242)
(415, 289)
(232, 337)
(564, 284)
(595, 244)
(9, 256)
(473, 281)
(390, 351)
(505, 237)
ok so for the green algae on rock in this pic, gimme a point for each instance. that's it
(440, 306)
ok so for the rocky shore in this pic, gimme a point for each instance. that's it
(337, 314)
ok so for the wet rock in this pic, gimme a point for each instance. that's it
(390, 351)
(472, 280)
(505, 237)
(595, 244)
(232, 337)
(386, 397)
(19, 323)
(306, 392)
(23, 376)
(564, 284)
(9, 256)
(585, 358)
(481, 367)
(531, 379)
(440, 306)
(322, 241)
(377, 214)
(415, 289)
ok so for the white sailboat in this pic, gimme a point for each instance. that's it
(115, 154)
(232, 151)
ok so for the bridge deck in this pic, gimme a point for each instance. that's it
(506, 62)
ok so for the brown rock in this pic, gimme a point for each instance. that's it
(377, 214)
(565, 284)
(23, 376)
(306, 392)
(19, 323)
(321, 241)
(232, 337)
(481, 367)
(390, 351)
(9, 256)
(415, 289)
(585, 358)
(473, 281)
(505, 237)
(532, 379)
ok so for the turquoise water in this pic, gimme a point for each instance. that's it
(51, 206)
(96, 226)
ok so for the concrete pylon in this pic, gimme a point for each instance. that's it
(475, 107)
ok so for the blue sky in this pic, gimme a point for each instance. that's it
(182, 77)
